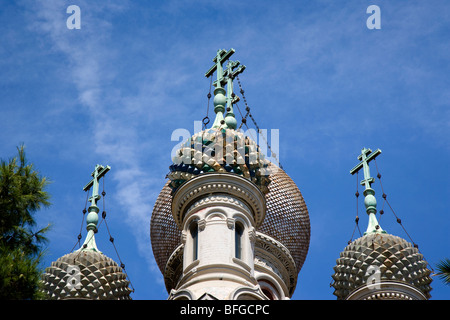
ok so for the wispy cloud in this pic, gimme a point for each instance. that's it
(133, 73)
(115, 118)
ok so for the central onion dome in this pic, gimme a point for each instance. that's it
(223, 149)
(286, 218)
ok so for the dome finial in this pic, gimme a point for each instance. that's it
(92, 217)
(224, 77)
(369, 201)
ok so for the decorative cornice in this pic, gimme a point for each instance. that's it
(222, 200)
(274, 256)
(227, 185)
(387, 290)
(174, 268)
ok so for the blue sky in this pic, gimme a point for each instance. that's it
(113, 92)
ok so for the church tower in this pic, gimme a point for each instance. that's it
(228, 224)
(379, 266)
(87, 274)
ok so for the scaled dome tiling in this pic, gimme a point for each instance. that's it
(286, 219)
(396, 258)
(85, 275)
(219, 150)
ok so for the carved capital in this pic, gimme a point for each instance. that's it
(201, 224)
(183, 237)
(252, 235)
(230, 223)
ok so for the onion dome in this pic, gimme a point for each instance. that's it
(388, 257)
(87, 273)
(379, 265)
(286, 220)
(227, 150)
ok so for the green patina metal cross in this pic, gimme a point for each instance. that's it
(224, 77)
(220, 100)
(365, 157)
(99, 172)
(92, 217)
(232, 70)
(370, 201)
(218, 60)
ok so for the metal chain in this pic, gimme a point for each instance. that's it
(81, 226)
(206, 119)
(384, 196)
(111, 239)
(248, 114)
(357, 212)
(399, 221)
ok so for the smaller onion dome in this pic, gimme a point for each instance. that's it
(85, 275)
(379, 265)
(384, 256)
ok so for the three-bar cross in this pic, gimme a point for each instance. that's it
(365, 157)
(99, 172)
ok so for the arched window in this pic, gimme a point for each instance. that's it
(194, 235)
(238, 233)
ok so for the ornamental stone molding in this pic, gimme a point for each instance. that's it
(248, 293)
(386, 290)
(224, 187)
(217, 200)
(174, 268)
(201, 224)
(274, 258)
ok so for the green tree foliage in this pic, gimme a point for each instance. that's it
(444, 270)
(22, 194)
